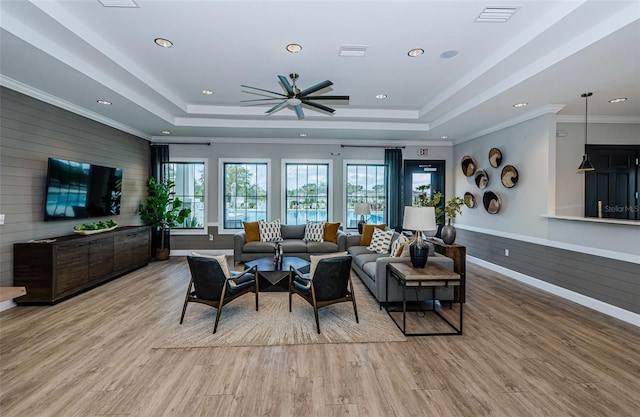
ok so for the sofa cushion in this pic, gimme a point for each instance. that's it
(362, 260)
(292, 231)
(381, 241)
(331, 232)
(270, 232)
(293, 246)
(367, 233)
(252, 231)
(321, 247)
(257, 247)
(358, 250)
(314, 232)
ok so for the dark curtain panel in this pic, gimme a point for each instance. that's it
(393, 185)
(159, 155)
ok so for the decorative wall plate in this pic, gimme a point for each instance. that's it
(482, 179)
(495, 157)
(509, 176)
(468, 165)
(469, 200)
(491, 202)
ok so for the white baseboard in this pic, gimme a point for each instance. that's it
(592, 303)
(187, 252)
(6, 305)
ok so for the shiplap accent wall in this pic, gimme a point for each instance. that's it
(611, 281)
(32, 131)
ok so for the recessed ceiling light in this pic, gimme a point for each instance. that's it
(303, 135)
(448, 54)
(524, 103)
(166, 132)
(294, 48)
(618, 100)
(207, 92)
(105, 102)
(381, 96)
(444, 137)
(415, 52)
(165, 43)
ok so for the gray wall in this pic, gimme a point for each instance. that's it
(31, 131)
(597, 260)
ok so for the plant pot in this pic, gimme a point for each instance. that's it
(162, 254)
(449, 234)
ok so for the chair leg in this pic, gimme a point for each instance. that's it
(220, 304)
(257, 289)
(353, 300)
(186, 301)
(315, 308)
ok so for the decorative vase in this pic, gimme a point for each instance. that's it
(448, 233)
(162, 254)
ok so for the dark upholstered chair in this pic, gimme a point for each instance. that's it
(330, 284)
(211, 287)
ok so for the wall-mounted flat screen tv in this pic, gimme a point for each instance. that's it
(78, 190)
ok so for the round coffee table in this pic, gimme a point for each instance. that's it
(272, 277)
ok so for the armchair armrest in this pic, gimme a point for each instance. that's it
(353, 240)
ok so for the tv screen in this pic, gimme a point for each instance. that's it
(78, 190)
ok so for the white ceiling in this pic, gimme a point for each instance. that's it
(72, 53)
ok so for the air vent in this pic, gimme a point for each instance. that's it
(497, 14)
(118, 3)
(352, 50)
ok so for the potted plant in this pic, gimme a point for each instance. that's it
(423, 200)
(451, 209)
(163, 210)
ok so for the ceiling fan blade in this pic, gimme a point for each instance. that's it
(277, 107)
(266, 91)
(299, 112)
(326, 98)
(287, 85)
(318, 106)
(315, 88)
(261, 99)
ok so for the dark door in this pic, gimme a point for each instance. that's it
(420, 172)
(613, 185)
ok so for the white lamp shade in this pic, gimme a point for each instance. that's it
(362, 209)
(420, 218)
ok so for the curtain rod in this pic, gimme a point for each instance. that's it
(181, 143)
(372, 146)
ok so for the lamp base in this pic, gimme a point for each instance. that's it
(419, 252)
(361, 224)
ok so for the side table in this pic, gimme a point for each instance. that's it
(432, 275)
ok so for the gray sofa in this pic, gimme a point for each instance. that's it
(293, 244)
(372, 268)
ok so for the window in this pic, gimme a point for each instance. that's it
(190, 179)
(245, 184)
(306, 185)
(365, 184)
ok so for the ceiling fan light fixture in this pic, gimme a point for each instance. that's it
(294, 48)
(294, 101)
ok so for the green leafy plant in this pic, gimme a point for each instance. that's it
(424, 200)
(453, 207)
(96, 225)
(161, 208)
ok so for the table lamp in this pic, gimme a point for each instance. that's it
(362, 209)
(419, 219)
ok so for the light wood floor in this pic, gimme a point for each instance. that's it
(524, 353)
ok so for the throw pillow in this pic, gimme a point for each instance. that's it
(270, 232)
(331, 232)
(367, 233)
(252, 231)
(314, 232)
(222, 260)
(316, 258)
(400, 247)
(380, 241)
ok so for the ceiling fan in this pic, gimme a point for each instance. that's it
(296, 98)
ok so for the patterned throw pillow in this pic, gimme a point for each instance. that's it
(314, 232)
(400, 247)
(380, 241)
(270, 232)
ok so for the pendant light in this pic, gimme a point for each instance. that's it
(586, 164)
